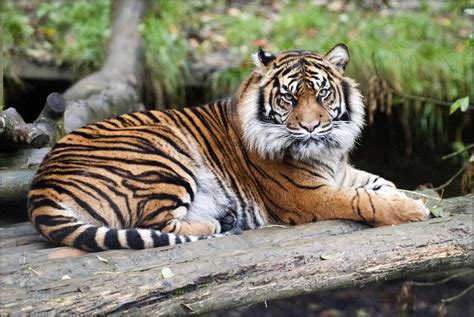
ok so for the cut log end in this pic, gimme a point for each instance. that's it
(55, 105)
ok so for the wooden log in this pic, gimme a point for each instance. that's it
(44, 131)
(15, 185)
(329, 227)
(116, 88)
(17, 230)
(258, 265)
(24, 159)
(17, 169)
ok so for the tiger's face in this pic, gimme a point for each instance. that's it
(299, 103)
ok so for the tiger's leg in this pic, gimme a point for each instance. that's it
(173, 214)
(352, 177)
(361, 204)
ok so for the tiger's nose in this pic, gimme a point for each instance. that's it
(310, 127)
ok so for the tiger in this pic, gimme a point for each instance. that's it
(276, 152)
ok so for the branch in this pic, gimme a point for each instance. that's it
(464, 149)
(452, 299)
(257, 266)
(44, 131)
(449, 181)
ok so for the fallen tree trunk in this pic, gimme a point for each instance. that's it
(17, 169)
(211, 275)
(116, 88)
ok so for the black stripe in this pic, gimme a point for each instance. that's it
(311, 172)
(160, 239)
(151, 116)
(46, 183)
(371, 205)
(136, 117)
(209, 147)
(156, 177)
(86, 240)
(112, 204)
(60, 234)
(37, 201)
(134, 240)
(111, 240)
(347, 92)
(359, 212)
(158, 211)
(301, 185)
(48, 220)
(292, 67)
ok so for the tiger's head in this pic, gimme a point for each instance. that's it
(299, 103)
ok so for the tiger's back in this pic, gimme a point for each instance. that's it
(276, 152)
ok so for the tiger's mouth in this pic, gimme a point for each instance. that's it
(323, 139)
(311, 137)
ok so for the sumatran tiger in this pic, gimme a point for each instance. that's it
(274, 153)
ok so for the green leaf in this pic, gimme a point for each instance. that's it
(166, 272)
(469, 11)
(462, 103)
(436, 211)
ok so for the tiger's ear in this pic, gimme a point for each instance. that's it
(339, 57)
(262, 58)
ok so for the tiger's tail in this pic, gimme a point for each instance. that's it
(69, 231)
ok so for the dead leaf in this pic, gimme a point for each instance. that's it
(330, 256)
(166, 272)
(102, 259)
(34, 271)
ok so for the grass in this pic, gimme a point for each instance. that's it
(166, 51)
(57, 32)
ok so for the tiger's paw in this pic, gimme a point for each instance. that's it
(229, 224)
(403, 209)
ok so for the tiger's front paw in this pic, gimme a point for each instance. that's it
(402, 209)
(229, 224)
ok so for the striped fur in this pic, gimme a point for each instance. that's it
(276, 152)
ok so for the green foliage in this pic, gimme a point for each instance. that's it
(166, 50)
(416, 52)
(73, 32)
(16, 30)
(78, 30)
(462, 103)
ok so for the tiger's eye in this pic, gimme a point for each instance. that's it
(288, 97)
(323, 92)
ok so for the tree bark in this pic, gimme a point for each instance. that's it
(266, 264)
(116, 88)
(44, 131)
